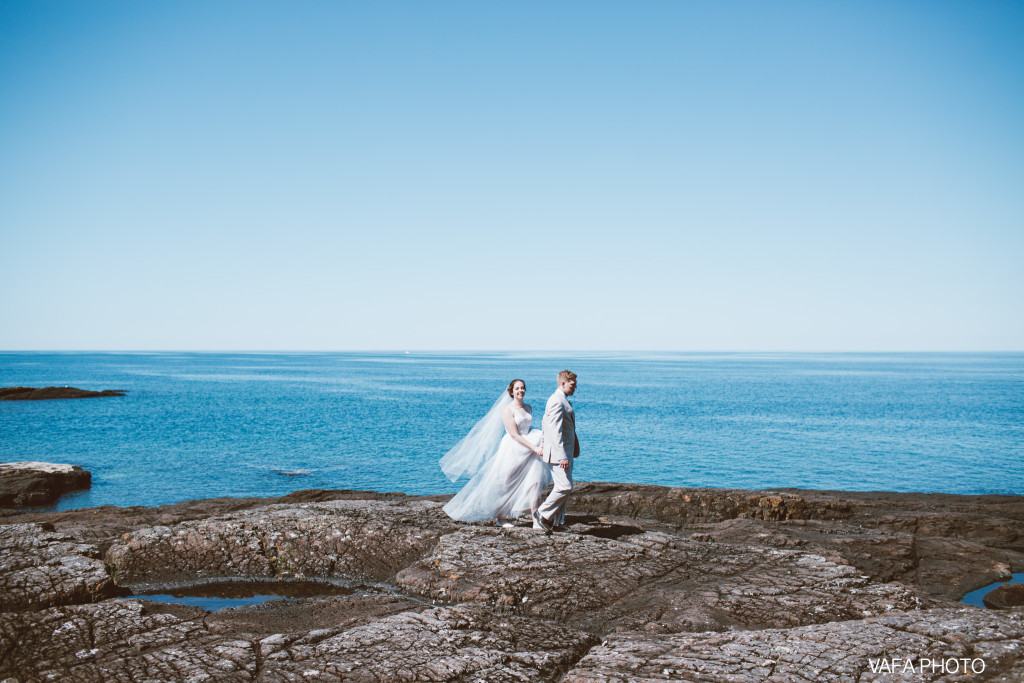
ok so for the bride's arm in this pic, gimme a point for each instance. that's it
(508, 417)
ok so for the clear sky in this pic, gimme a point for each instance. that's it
(512, 175)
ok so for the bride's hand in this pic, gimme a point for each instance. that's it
(539, 451)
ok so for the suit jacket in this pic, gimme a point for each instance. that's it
(559, 428)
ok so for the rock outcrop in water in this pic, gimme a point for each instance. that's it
(648, 583)
(45, 393)
(30, 484)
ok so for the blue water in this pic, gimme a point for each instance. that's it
(976, 597)
(210, 604)
(197, 425)
(214, 597)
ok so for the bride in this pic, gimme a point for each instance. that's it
(505, 481)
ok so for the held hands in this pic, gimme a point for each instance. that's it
(564, 464)
(539, 451)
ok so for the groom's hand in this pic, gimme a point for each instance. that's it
(564, 464)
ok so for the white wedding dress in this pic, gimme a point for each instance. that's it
(508, 483)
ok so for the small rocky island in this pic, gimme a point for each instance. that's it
(33, 394)
(648, 583)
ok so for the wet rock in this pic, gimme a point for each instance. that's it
(40, 567)
(840, 651)
(357, 541)
(1004, 597)
(284, 616)
(28, 484)
(33, 394)
(651, 580)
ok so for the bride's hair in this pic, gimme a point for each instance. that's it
(512, 384)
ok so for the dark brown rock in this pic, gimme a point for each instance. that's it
(947, 568)
(301, 616)
(834, 652)
(1006, 596)
(106, 524)
(996, 521)
(465, 643)
(713, 585)
(40, 567)
(124, 640)
(943, 544)
(119, 640)
(353, 541)
(33, 394)
(30, 484)
(651, 581)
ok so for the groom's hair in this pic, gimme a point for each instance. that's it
(566, 376)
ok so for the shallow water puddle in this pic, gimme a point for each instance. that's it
(974, 597)
(214, 597)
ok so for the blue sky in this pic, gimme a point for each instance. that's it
(512, 175)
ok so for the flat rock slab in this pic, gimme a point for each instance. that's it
(1006, 596)
(996, 521)
(343, 540)
(124, 640)
(40, 567)
(118, 640)
(946, 568)
(28, 484)
(33, 394)
(872, 649)
(465, 643)
(651, 580)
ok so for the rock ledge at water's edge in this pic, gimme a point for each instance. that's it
(34, 484)
(648, 583)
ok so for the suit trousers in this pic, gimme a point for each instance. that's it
(553, 507)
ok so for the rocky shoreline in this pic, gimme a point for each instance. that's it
(648, 583)
(35, 484)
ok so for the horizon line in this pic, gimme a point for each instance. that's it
(530, 351)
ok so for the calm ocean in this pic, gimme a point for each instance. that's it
(196, 425)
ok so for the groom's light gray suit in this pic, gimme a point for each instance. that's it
(559, 428)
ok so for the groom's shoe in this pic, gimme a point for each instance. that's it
(544, 524)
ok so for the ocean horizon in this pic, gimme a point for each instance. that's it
(207, 424)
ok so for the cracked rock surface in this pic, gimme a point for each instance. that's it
(647, 583)
(442, 644)
(838, 651)
(41, 567)
(343, 540)
(126, 640)
(649, 580)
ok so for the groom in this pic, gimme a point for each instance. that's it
(560, 447)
